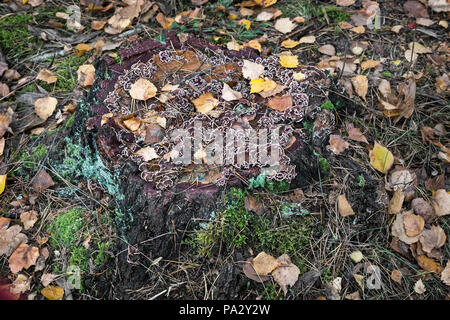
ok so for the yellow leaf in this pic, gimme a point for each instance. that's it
(264, 263)
(258, 85)
(53, 292)
(344, 207)
(2, 182)
(289, 61)
(265, 3)
(381, 158)
(255, 44)
(289, 43)
(245, 23)
(298, 76)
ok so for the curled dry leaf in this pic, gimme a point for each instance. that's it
(441, 202)
(398, 230)
(47, 76)
(286, 274)
(396, 203)
(381, 158)
(205, 103)
(433, 238)
(42, 180)
(143, 90)
(86, 75)
(229, 94)
(28, 219)
(48, 278)
(419, 287)
(44, 107)
(21, 284)
(284, 25)
(23, 257)
(264, 263)
(337, 144)
(413, 224)
(344, 207)
(429, 264)
(355, 133)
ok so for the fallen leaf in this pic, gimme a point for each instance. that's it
(284, 25)
(86, 75)
(396, 203)
(361, 85)
(132, 124)
(48, 278)
(42, 180)
(98, 25)
(2, 183)
(2, 148)
(355, 133)
(44, 107)
(441, 202)
(287, 274)
(53, 292)
(205, 103)
(147, 153)
(264, 263)
(439, 5)
(327, 49)
(229, 94)
(10, 239)
(4, 90)
(369, 64)
(398, 230)
(47, 76)
(396, 276)
(4, 222)
(396, 28)
(356, 256)
(289, 43)
(280, 103)
(433, 238)
(413, 224)
(358, 29)
(250, 272)
(28, 219)
(423, 209)
(419, 48)
(23, 257)
(445, 275)
(259, 85)
(307, 39)
(142, 89)
(252, 70)
(415, 9)
(345, 3)
(428, 264)
(381, 158)
(337, 144)
(424, 22)
(265, 3)
(289, 61)
(82, 48)
(21, 284)
(164, 21)
(344, 207)
(245, 22)
(419, 287)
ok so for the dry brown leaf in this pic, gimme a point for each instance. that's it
(98, 24)
(396, 203)
(147, 153)
(48, 278)
(445, 275)
(42, 180)
(82, 48)
(441, 202)
(164, 21)
(132, 124)
(2, 145)
(355, 133)
(53, 292)
(252, 70)
(124, 16)
(345, 3)
(413, 224)
(337, 144)
(250, 272)
(358, 29)
(287, 274)
(369, 64)
(396, 276)
(361, 85)
(344, 207)
(307, 39)
(264, 263)
(23, 257)
(86, 75)
(21, 284)
(439, 5)
(5, 120)
(327, 49)
(4, 89)
(398, 230)
(4, 222)
(415, 9)
(433, 238)
(10, 239)
(28, 219)
(142, 89)
(44, 107)
(284, 25)
(47, 76)
(229, 94)
(205, 103)
(428, 264)
(424, 209)
(424, 22)
(280, 103)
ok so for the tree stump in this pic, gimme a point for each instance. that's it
(179, 80)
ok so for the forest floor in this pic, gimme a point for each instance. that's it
(373, 225)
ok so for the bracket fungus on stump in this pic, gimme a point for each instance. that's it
(156, 99)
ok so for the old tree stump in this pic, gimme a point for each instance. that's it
(181, 84)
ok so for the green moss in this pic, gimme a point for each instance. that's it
(327, 105)
(30, 159)
(66, 70)
(102, 254)
(15, 39)
(80, 257)
(65, 229)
